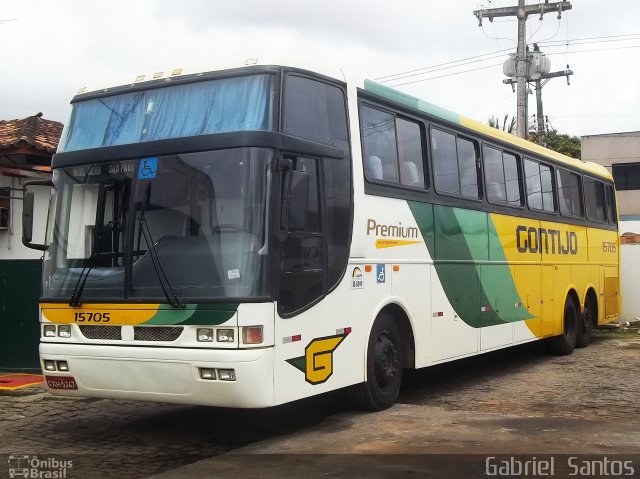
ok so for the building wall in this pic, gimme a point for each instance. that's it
(20, 279)
(611, 149)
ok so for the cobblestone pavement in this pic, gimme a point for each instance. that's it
(592, 393)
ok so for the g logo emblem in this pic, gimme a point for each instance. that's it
(317, 362)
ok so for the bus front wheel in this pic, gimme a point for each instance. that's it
(385, 354)
(566, 342)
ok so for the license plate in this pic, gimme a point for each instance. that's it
(61, 382)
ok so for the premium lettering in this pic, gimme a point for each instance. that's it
(540, 240)
(392, 231)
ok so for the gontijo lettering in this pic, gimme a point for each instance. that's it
(540, 240)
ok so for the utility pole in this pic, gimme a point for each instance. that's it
(539, 83)
(522, 12)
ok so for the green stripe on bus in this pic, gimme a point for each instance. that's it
(457, 239)
(200, 314)
(411, 101)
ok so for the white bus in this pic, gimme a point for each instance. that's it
(250, 236)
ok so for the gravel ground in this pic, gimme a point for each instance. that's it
(516, 401)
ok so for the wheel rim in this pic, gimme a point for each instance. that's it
(386, 361)
(571, 330)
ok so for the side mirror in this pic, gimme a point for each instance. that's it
(28, 202)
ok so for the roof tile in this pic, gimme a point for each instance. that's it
(35, 131)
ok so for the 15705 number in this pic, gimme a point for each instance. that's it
(92, 317)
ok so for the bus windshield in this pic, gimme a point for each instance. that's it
(194, 224)
(205, 107)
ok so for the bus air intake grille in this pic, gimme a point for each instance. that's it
(156, 333)
(105, 333)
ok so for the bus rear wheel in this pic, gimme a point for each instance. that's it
(385, 353)
(566, 342)
(586, 320)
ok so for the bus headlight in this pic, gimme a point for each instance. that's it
(225, 335)
(49, 365)
(205, 335)
(49, 330)
(64, 330)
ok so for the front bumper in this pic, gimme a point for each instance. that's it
(165, 374)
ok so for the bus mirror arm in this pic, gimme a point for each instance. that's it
(28, 199)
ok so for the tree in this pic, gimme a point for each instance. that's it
(507, 125)
(560, 142)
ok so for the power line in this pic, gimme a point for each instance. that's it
(595, 50)
(489, 56)
(499, 53)
(447, 75)
(589, 38)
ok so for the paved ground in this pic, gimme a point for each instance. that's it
(518, 401)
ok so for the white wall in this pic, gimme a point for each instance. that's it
(630, 273)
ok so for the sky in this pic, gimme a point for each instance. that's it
(51, 48)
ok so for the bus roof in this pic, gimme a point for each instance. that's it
(391, 94)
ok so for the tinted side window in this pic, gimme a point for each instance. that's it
(594, 200)
(533, 183)
(539, 184)
(392, 148)
(569, 193)
(410, 153)
(445, 162)
(454, 164)
(316, 111)
(502, 177)
(301, 259)
(546, 180)
(379, 138)
(467, 162)
(611, 206)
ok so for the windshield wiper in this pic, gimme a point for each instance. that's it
(143, 227)
(74, 301)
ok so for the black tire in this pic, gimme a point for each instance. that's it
(586, 321)
(566, 342)
(385, 353)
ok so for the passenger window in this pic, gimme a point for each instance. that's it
(410, 153)
(502, 177)
(569, 193)
(454, 164)
(611, 205)
(467, 161)
(594, 200)
(539, 186)
(392, 148)
(379, 137)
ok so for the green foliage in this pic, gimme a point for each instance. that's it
(507, 125)
(560, 142)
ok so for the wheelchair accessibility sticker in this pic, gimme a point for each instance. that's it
(380, 273)
(148, 168)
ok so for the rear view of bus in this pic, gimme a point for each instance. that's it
(184, 208)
